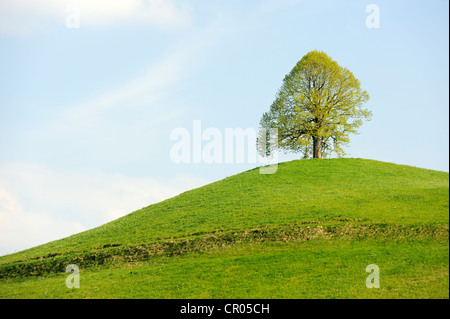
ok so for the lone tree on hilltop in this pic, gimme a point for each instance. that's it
(316, 108)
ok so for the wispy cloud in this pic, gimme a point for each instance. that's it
(144, 89)
(21, 228)
(159, 81)
(19, 17)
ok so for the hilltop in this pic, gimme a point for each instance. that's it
(337, 210)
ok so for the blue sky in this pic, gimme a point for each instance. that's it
(86, 113)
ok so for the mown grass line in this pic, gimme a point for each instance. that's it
(291, 233)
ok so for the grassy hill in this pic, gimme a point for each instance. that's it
(307, 231)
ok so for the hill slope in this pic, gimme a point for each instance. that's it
(332, 200)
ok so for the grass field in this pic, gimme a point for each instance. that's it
(307, 231)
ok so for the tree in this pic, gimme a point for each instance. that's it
(316, 108)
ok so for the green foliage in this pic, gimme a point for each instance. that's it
(317, 107)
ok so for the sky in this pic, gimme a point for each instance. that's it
(92, 90)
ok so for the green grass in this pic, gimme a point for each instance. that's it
(313, 269)
(307, 231)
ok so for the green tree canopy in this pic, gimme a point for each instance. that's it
(316, 108)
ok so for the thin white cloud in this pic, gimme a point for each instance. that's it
(38, 204)
(20, 229)
(143, 89)
(19, 17)
(270, 6)
(160, 81)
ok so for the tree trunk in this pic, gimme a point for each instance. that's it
(317, 144)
